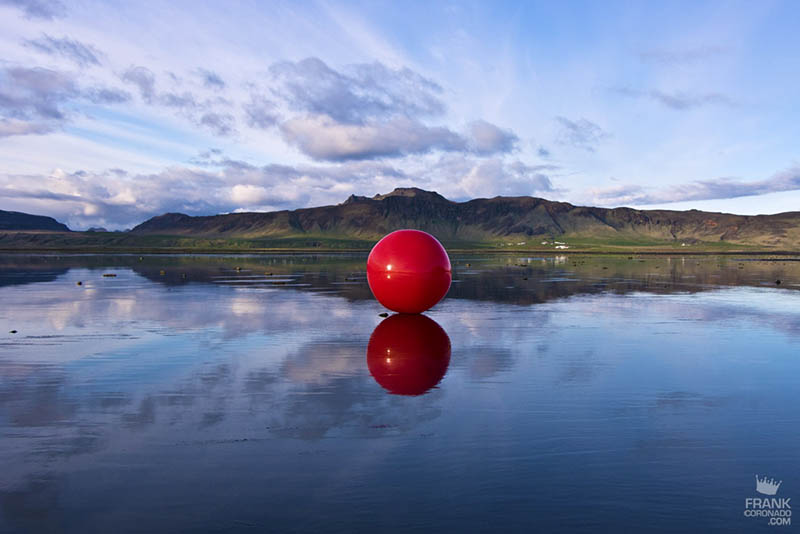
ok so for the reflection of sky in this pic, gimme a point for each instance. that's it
(209, 382)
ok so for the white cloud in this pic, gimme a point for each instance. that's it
(486, 138)
(249, 195)
(323, 138)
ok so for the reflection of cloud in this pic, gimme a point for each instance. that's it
(351, 406)
(187, 373)
(320, 362)
(33, 506)
(486, 361)
(686, 399)
(741, 304)
(145, 414)
(36, 402)
(580, 367)
(246, 305)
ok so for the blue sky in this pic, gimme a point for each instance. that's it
(111, 113)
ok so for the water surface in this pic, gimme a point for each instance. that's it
(261, 393)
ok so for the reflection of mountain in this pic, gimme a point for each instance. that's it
(10, 276)
(498, 278)
(408, 354)
(489, 278)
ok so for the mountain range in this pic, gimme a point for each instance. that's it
(14, 220)
(494, 222)
(499, 219)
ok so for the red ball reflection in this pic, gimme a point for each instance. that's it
(408, 354)
(408, 271)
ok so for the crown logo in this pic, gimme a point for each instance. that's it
(767, 487)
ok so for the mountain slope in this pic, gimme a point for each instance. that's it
(16, 221)
(482, 220)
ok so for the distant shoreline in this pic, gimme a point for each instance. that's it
(487, 251)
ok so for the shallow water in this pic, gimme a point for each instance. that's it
(567, 393)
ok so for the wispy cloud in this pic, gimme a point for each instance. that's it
(106, 95)
(221, 124)
(9, 127)
(581, 133)
(38, 9)
(211, 79)
(80, 53)
(367, 111)
(35, 93)
(357, 93)
(680, 101)
(719, 188)
(212, 113)
(144, 79)
(37, 100)
(684, 56)
(260, 112)
(362, 111)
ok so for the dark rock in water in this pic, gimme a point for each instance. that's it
(12, 331)
(524, 277)
(109, 275)
(140, 258)
(79, 283)
(384, 314)
(162, 273)
(778, 282)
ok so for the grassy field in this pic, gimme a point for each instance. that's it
(125, 242)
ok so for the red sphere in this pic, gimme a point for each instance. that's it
(408, 271)
(408, 354)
